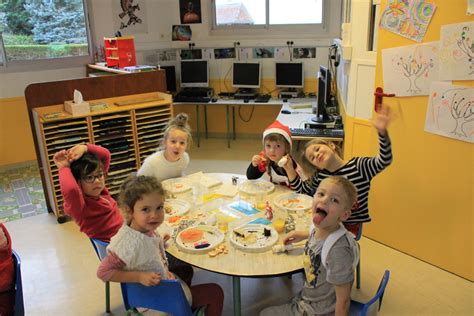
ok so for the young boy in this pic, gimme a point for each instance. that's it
(327, 288)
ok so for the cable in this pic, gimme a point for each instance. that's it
(251, 114)
(290, 44)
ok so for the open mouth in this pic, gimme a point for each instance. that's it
(319, 216)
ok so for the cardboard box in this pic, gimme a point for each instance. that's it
(77, 109)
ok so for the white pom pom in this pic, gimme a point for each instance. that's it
(282, 161)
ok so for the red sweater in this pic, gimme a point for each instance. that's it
(97, 217)
(6, 264)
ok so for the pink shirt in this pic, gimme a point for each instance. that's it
(6, 263)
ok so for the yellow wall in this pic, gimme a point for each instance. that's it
(423, 203)
(16, 140)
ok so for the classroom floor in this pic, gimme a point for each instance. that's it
(59, 264)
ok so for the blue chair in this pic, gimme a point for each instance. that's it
(361, 309)
(168, 296)
(19, 304)
(100, 248)
(357, 237)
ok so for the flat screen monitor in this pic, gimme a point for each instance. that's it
(289, 75)
(194, 73)
(246, 75)
(170, 78)
(324, 96)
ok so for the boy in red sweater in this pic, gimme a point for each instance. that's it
(7, 273)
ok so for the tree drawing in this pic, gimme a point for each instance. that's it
(466, 46)
(461, 109)
(413, 68)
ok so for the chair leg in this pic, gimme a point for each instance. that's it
(358, 275)
(107, 297)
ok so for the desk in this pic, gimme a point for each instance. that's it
(104, 69)
(238, 263)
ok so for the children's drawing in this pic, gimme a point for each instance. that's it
(132, 16)
(456, 51)
(451, 111)
(408, 18)
(409, 70)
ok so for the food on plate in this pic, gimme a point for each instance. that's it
(174, 219)
(191, 235)
(168, 209)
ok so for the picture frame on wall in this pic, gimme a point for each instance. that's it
(181, 33)
(190, 11)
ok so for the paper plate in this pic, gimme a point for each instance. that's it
(176, 207)
(176, 185)
(293, 201)
(211, 235)
(254, 240)
(256, 187)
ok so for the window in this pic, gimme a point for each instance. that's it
(43, 29)
(280, 12)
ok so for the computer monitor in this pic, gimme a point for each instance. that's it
(170, 78)
(289, 75)
(246, 75)
(194, 73)
(324, 96)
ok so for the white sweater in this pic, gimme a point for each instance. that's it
(157, 166)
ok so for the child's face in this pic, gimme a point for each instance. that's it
(148, 212)
(93, 183)
(274, 150)
(176, 144)
(320, 155)
(330, 205)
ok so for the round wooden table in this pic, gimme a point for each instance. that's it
(237, 263)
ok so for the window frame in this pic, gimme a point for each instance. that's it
(325, 29)
(51, 63)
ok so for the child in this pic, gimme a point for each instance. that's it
(359, 170)
(329, 278)
(268, 163)
(171, 158)
(7, 273)
(137, 253)
(82, 171)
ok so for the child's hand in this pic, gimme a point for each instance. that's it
(149, 278)
(295, 236)
(257, 159)
(382, 119)
(76, 152)
(171, 276)
(3, 240)
(60, 159)
(166, 237)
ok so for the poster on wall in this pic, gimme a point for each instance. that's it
(409, 70)
(263, 52)
(450, 111)
(130, 16)
(456, 51)
(304, 52)
(186, 54)
(181, 33)
(222, 53)
(190, 11)
(408, 18)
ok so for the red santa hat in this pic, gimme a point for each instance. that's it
(278, 128)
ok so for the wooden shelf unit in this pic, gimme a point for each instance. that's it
(130, 132)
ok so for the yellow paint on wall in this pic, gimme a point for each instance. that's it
(423, 203)
(16, 140)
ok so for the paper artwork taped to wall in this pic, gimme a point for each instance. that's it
(181, 33)
(166, 54)
(456, 51)
(263, 52)
(130, 16)
(304, 52)
(190, 11)
(408, 18)
(222, 53)
(187, 54)
(450, 111)
(409, 70)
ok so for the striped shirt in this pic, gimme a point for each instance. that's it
(358, 170)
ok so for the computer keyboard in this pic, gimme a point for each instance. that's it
(302, 100)
(194, 99)
(318, 132)
(262, 98)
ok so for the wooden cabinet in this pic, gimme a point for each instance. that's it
(131, 132)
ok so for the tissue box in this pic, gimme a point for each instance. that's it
(77, 109)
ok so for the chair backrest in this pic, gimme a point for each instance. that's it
(359, 233)
(100, 248)
(370, 307)
(19, 304)
(168, 296)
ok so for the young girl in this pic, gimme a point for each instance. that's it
(137, 253)
(327, 287)
(82, 171)
(268, 163)
(359, 170)
(171, 158)
(7, 273)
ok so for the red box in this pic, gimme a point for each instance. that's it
(119, 52)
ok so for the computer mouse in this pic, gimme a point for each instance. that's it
(285, 100)
(285, 112)
(213, 100)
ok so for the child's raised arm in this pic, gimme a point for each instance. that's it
(382, 119)
(61, 159)
(76, 152)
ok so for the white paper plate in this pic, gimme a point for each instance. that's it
(293, 201)
(176, 207)
(257, 242)
(256, 187)
(211, 235)
(177, 185)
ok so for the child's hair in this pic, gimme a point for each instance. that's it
(85, 165)
(179, 122)
(306, 164)
(347, 186)
(134, 188)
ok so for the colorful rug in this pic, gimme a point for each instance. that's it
(21, 192)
